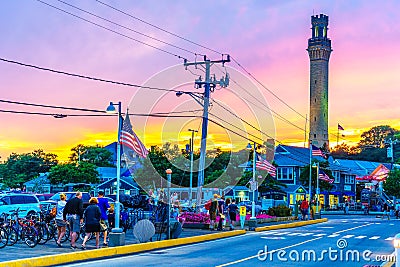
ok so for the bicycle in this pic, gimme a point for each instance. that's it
(21, 229)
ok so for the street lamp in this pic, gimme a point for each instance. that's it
(316, 165)
(111, 109)
(252, 184)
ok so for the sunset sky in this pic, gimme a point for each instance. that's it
(268, 38)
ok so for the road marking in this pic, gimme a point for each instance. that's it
(305, 234)
(377, 223)
(320, 234)
(347, 236)
(389, 238)
(326, 227)
(375, 237)
(281, 233)
(344, 221)
(292, 234)
(333, 235)
(353, 228)
(360, 237)
(391, 224)
(273, 237)
(262, 254)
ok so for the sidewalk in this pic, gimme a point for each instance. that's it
(50, 254)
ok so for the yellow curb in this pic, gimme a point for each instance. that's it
(50, 260)
(289, 225)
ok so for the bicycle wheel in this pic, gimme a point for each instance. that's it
(12, 235)
(3, 237)
(30, 236)
(44, 235)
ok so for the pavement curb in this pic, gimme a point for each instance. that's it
(64, 258)
(289, 225)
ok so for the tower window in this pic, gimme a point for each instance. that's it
(325, 30)
(315, 136)
(316, 31)
(315, 100)
(315, 118)
(315, 82)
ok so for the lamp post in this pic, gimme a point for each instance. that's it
(309, 182)
(191, 166)
(316, 165)
(252, 184)
(168, 172)
(111, 109)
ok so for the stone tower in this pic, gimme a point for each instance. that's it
(319, 51)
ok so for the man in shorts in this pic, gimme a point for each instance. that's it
(73, 213)
(104, 207)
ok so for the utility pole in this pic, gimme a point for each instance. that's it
(191, 166)
(208, 85)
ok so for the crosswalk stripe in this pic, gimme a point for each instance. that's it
(319, 234)
(282, 233)
(374, 237)
(333, 235)
(360, 237)
(347, 236)
(389, 238)
(305, 234)
(292, 234)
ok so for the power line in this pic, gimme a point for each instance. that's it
(60, 115)
(205, 47)
(260, 83)
(159, 28)
(93, 110)
(108, 29)
(88, 77)
(243, 121)
(130, 29)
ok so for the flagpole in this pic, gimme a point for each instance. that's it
(337, 140)
(309, 182)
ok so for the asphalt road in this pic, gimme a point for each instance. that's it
(342, 241)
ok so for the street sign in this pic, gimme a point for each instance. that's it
(242, 210)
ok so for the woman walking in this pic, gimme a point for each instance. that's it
(91, 217)
(61, 224)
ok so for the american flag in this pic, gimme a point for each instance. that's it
(340, 127)
(129, 139)
(322, 176)
(317, 152)
(262, 164)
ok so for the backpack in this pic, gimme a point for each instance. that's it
(53, 212)
(207, 206)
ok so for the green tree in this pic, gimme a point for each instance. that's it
(392, 184)
(305, 176)
(377, 136)
(20, 168)
(83, 172)
(96, 155)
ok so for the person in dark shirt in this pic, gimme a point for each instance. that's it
(232, 210)
(104, 207)
(73, 213)
(92, 216)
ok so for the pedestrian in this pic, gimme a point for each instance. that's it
(73, 212)
(92, 217)
(104, 207)
(61, 224)
(232, 210)
(346, 207)
(111, 217)
(386, 211)
(221, 205)
(228, 201)
(213, 211)
(304, 209)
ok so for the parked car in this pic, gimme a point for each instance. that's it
(248, 205)
(85, 197)
(27, 203)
